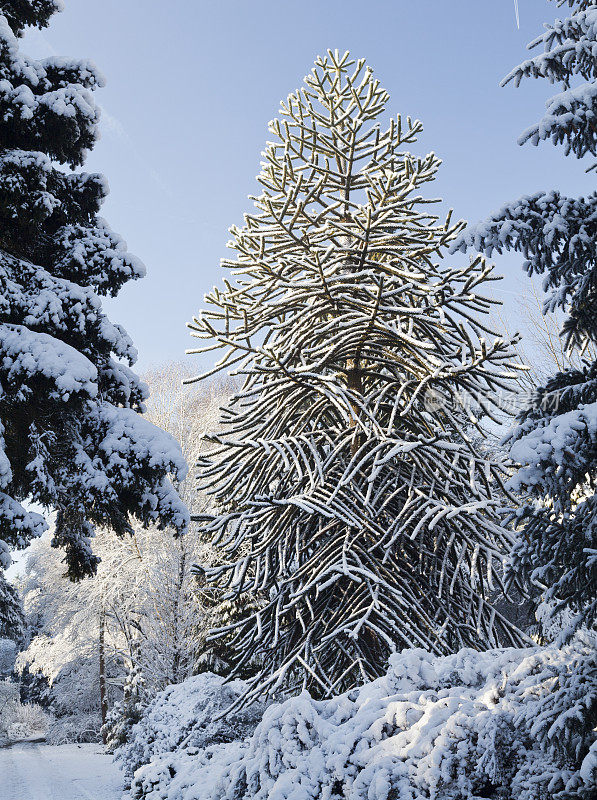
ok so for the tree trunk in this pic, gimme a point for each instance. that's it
(102, 672)
(176, 660)
(354, 381)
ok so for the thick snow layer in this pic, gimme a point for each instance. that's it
(551, 444)
(116, 458)
(69, 99)
(567, 112)
(25, 524)
(25, 353)
(127, 430)
(131, 439)
(182, 717)
(68, 772)
(98, 253)
(502, 724)
(57, 306)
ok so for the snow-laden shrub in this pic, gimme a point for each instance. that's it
(19, 720)
(80, 728)
(65, 682)
(28, 721)
(183, 718)
(9, 699)
(126, 713)
(507, 724)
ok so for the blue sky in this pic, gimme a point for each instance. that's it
(191, 86)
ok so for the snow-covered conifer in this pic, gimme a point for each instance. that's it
(12, 617)
(356, 507)
(126, 712)
(70, 435)
(555, 443)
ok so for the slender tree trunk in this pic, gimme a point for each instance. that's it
(176, 661)
(354, 381)
(102, 671)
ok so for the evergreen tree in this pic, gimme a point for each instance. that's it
(358, 509)
(12, 617)
(555, 443)
(126, 712)
(70, 435)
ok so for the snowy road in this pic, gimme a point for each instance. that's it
(64, 772)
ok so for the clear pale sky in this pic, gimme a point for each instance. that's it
(191, 86)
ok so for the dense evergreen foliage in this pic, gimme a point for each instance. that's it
(12, 617)
(70, 435)
(555, 443)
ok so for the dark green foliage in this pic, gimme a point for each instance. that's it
(126, 712)
(555, 554)
(21, 13)
(12, 618)
(70, 435)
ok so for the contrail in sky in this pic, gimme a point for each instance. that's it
(517, 16)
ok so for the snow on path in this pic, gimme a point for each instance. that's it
(62, 772)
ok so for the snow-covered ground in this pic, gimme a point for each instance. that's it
(64, 772)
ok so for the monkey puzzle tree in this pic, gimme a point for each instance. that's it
(357, 508)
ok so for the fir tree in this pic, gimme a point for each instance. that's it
(358, 509)
(126, 712)
(555, 443)
(70, 435)
(12, 617)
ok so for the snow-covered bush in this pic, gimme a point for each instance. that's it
(127, 712)
(79, 727)
(507, 724)
(9, 699)
(28, 721)
(184, 718)
(19, 720)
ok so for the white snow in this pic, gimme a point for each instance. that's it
(26, 353)
(568, 44)
(550, 444)
(69, 99)
(99, 253)
(65, 772)
(568, 111)
(53, 304)
(434, 728)
(187, 715)
(25, 524)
